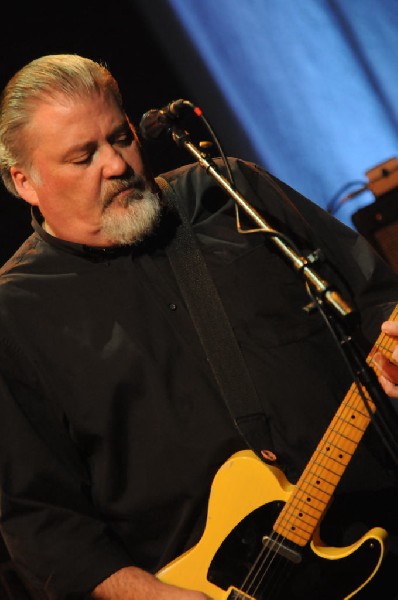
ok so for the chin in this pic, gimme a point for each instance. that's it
(132, 223)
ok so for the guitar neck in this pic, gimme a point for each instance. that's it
(304, 509)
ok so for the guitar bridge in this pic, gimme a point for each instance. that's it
(281, 549)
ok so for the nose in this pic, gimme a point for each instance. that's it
(114, 164)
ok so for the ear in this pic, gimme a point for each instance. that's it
(24, 185)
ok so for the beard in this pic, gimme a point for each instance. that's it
(130, 219)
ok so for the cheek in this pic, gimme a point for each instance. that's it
(56, 194)
(54, 198)
(46, 180)
(65, 185)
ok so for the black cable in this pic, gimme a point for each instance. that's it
(336, 201)
(377, 418)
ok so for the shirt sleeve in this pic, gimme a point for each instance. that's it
(49, 523)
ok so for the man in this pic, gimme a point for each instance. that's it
(97, 337)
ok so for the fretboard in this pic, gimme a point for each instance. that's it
(304, 509)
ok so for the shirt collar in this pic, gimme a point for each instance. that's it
(96, 253)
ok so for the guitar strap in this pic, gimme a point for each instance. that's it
(215, 331)
(215, 334)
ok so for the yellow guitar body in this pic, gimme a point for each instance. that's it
(243, 484)
(283, 558)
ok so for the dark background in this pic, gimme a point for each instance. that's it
(116, 33)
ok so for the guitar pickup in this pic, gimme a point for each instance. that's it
(281, 549)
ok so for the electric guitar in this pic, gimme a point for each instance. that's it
(261, 540)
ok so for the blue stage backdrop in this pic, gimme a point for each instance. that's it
(306, 88)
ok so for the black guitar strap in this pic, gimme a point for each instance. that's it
(215, 331)
(217, 338)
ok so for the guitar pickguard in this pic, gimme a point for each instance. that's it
(246, 499)
(284, 577)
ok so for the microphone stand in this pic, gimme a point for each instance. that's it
(300, 263)
(342, 315)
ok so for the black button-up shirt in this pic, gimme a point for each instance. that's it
(103, 339)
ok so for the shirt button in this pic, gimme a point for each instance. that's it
(172, 306)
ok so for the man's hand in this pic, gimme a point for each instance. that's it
(132, 583)
(388, 365)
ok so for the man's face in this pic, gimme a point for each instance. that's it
(86, 173)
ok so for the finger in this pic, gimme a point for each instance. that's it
(390, 328)
(388, 386)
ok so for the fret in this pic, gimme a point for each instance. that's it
(302, 513)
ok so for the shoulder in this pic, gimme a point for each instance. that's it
(195, 172)
(20, 260)
(197, 190)
(20, 274)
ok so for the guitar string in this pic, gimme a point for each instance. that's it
(297, 500)
(266, 558)
(385, 343)
(260, 573)
(334, 438)
(353, 393)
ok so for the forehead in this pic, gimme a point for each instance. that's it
(70, 108)
(61, 119)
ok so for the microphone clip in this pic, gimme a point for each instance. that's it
(156, 121)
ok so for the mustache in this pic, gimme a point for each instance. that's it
(133, 182)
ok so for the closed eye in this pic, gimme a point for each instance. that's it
(83, 160)
(124, 139)
(81, 154)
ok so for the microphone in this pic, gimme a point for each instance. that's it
(155, 121)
